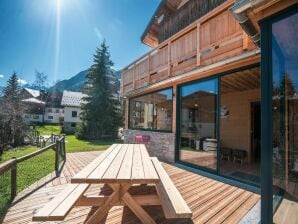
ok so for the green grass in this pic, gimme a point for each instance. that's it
(30, 171)
(74, 145)
(49, 129)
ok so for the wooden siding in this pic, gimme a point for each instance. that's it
(187, 14)
(213, 38)
(210, 201)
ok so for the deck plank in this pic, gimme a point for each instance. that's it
(207, 198)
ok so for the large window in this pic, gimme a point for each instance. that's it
(198, 116)
(285, 116)
(240, 126)
(152, 111)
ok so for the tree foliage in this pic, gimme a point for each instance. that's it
(12, 126)
(101, 110)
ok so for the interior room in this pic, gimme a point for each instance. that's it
(224, 139)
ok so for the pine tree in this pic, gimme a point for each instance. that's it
(100, 111)
(12, 89)
(12, 113)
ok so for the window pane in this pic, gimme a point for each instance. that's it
(285, 116)
(198, 143)
(240, 125)
(152, 111)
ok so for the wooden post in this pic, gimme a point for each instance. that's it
(64, 149)
(169, 59)
(126, 113)
(13, 180)
(198, 45)
(133, 76)
(174, 109)
(57, 148)
(245, 41)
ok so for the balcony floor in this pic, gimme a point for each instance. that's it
(211, 201)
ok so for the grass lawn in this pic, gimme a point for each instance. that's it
(30, 171)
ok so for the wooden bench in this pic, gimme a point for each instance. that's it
(172, 202)
(60, 206)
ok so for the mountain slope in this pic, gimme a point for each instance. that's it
(76, 82)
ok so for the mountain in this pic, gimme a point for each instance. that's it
(76, 82)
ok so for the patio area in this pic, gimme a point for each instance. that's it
(210, 201)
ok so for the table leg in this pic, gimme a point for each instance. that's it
(120, 194)
(103, 210)
(137, 209)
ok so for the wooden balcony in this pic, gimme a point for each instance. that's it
(212, 38)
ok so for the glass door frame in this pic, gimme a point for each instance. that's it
(218, 103)
(268, 205)
(178, 123)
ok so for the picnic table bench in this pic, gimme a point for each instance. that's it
(121, 167)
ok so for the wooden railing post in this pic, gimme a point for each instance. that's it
(198, 45)
(64, 149)
(13, 180)
(169, 59)
(57, 149)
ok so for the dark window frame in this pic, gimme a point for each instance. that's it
(146, 129)
(209, 172)
(74, 112)
(268, 205)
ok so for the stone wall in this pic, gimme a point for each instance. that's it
(161, 145)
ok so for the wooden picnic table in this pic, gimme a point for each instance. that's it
(121, 167)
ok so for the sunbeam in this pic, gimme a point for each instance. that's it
(57, 39)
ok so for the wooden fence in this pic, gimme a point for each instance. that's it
(11, 165)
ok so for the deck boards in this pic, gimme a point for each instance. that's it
(211, 201)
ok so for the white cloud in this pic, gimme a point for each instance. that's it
(98, 33)
(1, 76)
(22, 81)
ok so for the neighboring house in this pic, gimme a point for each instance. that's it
(34, 107)
(71, 101)
(196, 96)
(54, 115)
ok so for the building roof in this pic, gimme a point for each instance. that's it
(34, 93)
(72, 99)
(33, 100)
(165, 7)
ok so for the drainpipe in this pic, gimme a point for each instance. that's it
(239, 11)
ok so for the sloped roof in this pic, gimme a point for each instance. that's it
(72, 99)
(33, 100)
(34, 93)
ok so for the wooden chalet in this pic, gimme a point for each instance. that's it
(218, 94)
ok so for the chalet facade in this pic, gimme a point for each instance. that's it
(34, 106)
(196, 97)
(71, 102)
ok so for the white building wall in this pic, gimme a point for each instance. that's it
(56, 113)
(32, 118)
(68, 114)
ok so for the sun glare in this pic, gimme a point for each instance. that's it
(57, 39)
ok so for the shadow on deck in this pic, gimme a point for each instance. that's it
(210, 201)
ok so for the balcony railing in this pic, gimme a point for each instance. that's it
(212, 38)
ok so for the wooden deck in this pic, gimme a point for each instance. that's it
(211, 201)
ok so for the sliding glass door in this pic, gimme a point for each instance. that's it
(285, 115)
(198, 123)
(280, 118)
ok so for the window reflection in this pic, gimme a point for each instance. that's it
(152, 111)
(198, 143)
(285, 116)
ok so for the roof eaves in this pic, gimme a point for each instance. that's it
(161, 4)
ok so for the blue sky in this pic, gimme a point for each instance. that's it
(59, 37)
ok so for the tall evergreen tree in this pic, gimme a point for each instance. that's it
(100, 111)
(13, 128)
